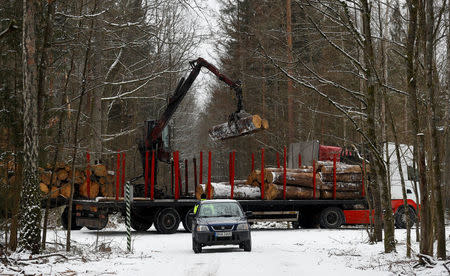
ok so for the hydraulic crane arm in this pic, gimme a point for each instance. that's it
(183, 87)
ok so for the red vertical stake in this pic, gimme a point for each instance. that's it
(284, 173)
(172, 178)
(186, 177)
(195, 174)
(200, 174)
(209, 175)
(253, 161)
(88, 173)
(147, 155)
(299, 160)
(177, 173)
(278, 160)
(118, 176)
(229, 167)
(334, 176)
(123, 172)
(262, 173)
(314, 179)
(363, 192)
(152, 177)
(232, 173)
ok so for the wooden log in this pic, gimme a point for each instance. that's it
(327, 167)
(60, 165)
(264, 124)
(79, 177)
(54, 193)
(94, 189)
(341, 177)
(65, 189)
(108, 189)
(43, 188)
(45, 177)
(297, 179)
(340, 195)
(62, 174)
(221, 190)
(273, 191)
(100, 170)
(342, 186)
(198, 192)
(244, 126)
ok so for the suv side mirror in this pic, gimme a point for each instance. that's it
(248, 213)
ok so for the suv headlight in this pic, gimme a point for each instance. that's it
(242, 226)
(202, 228)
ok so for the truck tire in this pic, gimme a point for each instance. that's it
(103, 225)
(331, 218)
(167, 221)
(400, 217)
(196, 246)
(140, 224)
(248, 245)
(187, 221)
(65, 220)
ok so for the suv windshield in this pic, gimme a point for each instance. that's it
(220, 209)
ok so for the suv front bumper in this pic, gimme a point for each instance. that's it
(210, 238)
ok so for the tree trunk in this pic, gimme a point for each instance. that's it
(432, 119)
(75, 134)
(380, 170)
(31, 212)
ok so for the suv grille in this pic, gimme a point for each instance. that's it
(222, 227)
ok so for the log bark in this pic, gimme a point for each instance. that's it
(297, 179)
(342, 177)
(241, 127)
(341, 168)
(342, 186)
(339, 195)
(273, 191)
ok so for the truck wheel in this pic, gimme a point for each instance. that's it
(103, 224)
(400, 217)
(248, 245)
(331, 218)
(140, 224)
(196, 246)
(187, 221)
(65, 220)
(167, 220)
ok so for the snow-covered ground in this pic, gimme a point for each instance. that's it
(275, 251)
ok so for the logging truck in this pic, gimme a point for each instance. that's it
(316, 203)
(322, 188)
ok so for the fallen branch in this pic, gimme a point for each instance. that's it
(44, 256)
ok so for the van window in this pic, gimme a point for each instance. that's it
(413, 175)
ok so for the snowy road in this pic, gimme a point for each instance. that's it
(275, 252)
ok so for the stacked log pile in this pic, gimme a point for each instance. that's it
(102, 182)
(299, 183)
(56, 181)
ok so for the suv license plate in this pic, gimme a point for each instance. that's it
(223, 234)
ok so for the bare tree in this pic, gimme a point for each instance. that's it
(30, 206)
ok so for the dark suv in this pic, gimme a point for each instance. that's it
(220, 222)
